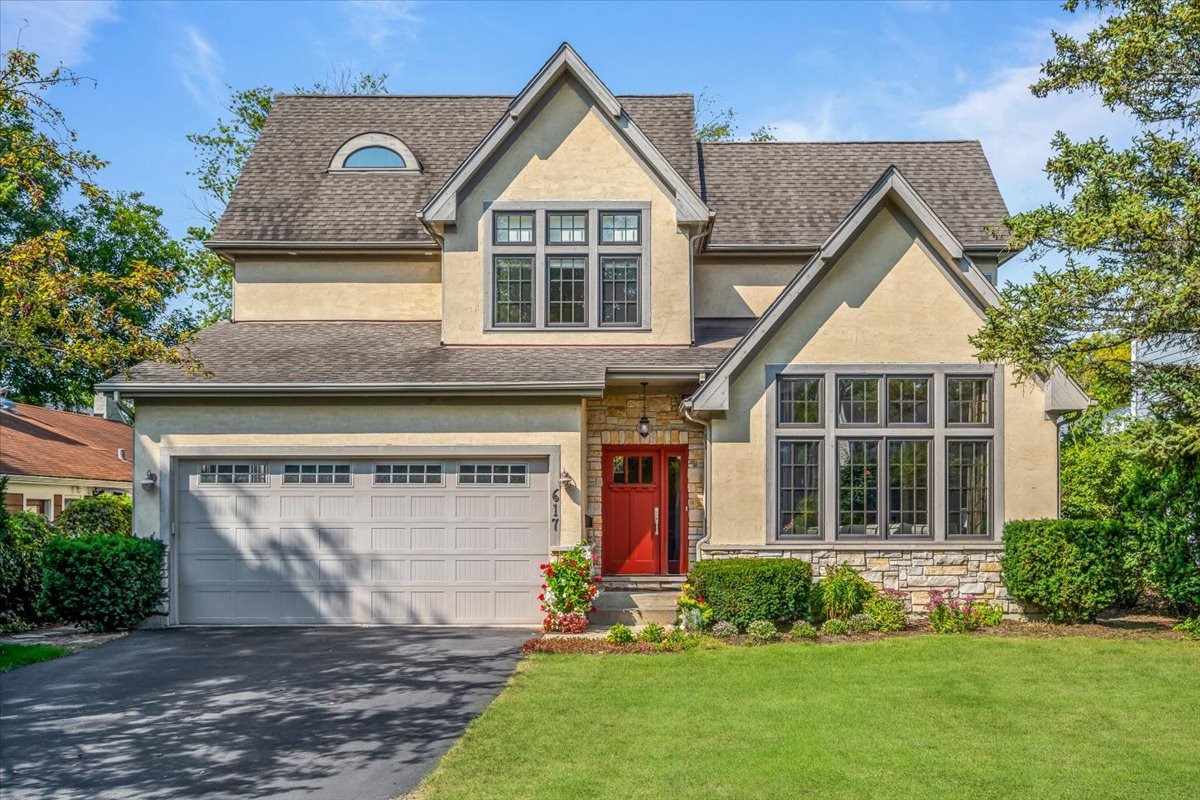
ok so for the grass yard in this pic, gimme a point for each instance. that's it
(914, 717)
(18, 655)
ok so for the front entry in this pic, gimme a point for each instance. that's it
(643, 511)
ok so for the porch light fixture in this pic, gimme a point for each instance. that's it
(150, 481)
(644, 423)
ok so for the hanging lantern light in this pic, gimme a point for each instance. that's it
(643, 428)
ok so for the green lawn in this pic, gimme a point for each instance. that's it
(18, 655)
(914, 717)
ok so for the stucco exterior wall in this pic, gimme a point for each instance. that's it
(387, 288)
(885, 301)
(348, 423)
(730, 287)
(567, 152)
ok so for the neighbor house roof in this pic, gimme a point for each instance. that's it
(48, 443)
(796, 193)
(286, 192)
(395, 356)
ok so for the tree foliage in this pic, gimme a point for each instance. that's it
(84, 290)
(1128, 223)
(717, 123)
(222, 152)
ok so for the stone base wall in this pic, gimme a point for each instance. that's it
(613, 419)
(914, 572)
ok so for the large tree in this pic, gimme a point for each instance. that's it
(222, 152)
(1127, 227)
(84, 289)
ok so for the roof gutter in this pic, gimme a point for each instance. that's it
(184, 389)
(258, 246)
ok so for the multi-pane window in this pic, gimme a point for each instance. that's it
(513, 227)
(514, 290)
(233, 473)
(799, 401)
(858, 487)
(493, 475)
(633, 469)
(624, 227)
(967, 487)
(566, 227)
(967, 401)
(409, 474)
(858, 401)
(316, 473)
(908, 487)
(907, 401)
(566, 291)
(799, 467)
(619, 290)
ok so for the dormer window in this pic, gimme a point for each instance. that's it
(374, 152)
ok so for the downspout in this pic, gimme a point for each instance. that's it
(687, 414)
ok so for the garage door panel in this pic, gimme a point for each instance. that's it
(389, 539)
(390, 507)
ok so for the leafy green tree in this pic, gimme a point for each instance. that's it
(223, 151)
(715, 123)
(1128, 223)
(84, 291)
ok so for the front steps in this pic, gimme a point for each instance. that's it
(637, 600)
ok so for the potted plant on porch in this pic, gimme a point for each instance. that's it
(568, 590)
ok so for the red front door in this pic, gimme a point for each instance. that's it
(632, 512)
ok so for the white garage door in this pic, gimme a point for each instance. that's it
(334, 542)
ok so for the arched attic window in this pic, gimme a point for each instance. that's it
(374, 152)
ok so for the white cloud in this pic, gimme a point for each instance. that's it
(822, 126)
(199, 67)
(57, 32)
(377, 21)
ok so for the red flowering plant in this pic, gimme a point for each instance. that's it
(568, 590)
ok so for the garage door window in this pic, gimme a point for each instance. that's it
(316, 473)
(233, 473)
(493, 475)
(409, 474)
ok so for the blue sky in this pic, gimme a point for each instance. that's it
(816, 71)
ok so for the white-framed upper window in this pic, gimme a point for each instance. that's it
(233, 473)
(316, 473)
(424, 474)
(493, 475)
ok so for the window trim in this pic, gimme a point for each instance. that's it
(334, 473)
(587, 295)
(600, 291)
(802, 537)
(491, 465)
(257, 469)
(375, 473)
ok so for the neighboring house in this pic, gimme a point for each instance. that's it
(469, 332)
(54, 457)
(1180, 350)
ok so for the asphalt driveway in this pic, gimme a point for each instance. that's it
(310, 713)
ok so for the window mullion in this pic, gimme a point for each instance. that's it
(593, 269)
(539, 293)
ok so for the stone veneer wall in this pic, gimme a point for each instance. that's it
(613, 419)
(915, 572)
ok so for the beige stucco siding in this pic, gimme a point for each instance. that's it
(885, 301)
(348, 423)
(567, 151)
(741, 287)
(396, 287)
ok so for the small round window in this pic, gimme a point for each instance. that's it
(374, 157)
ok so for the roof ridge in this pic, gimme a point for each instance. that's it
(849, 141)
(398, 96)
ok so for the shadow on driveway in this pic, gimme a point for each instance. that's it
(309, 713)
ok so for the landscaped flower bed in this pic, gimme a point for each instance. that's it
(569, 590)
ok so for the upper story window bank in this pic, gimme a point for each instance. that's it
(568, 265)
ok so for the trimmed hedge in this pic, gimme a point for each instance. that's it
(100, 515)
(1070, 568)
(22, 537)
(102, 583)
(742, 590)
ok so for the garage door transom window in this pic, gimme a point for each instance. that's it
(493, 475)
(423, 474)
(316, 473)
(233, 473)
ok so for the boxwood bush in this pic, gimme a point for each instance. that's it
(101, 515)
(742, 590)
(102, 583)
(1072, 569)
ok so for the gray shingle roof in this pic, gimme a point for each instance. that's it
(397, 353)
(286, 194)
(796, 193)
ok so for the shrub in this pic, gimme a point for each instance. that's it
(653, 633)
(860, 623)
(102, 583)
(723, 630)
(840, 594)
(741, 590)
(1071, 569)
(835, 627)
(886, 609)
(571, 622)
(678, 639)
(960, 615)
(568, 587)
(804, 630)
(619, 633)
(694, 612)
(22, 538)
(1165, 507)
(762, 630)
(101, 515)
(1190, 628)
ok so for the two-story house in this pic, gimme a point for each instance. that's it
(471, 331)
